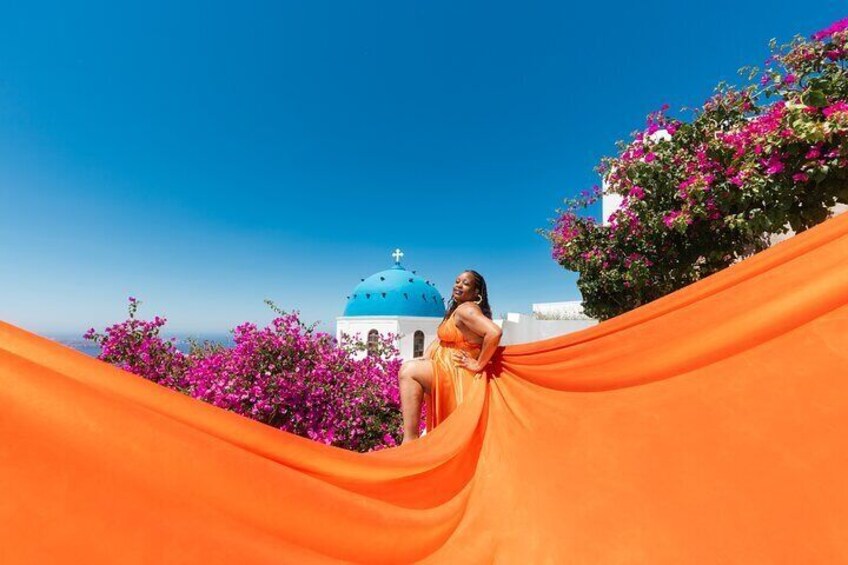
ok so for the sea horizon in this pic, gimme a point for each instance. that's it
(182, 340)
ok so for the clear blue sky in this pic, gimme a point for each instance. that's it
(207, 156)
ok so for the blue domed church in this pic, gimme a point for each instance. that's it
(396, 301)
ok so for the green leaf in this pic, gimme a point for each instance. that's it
(815, 98)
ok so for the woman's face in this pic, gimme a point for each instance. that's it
(463, 288)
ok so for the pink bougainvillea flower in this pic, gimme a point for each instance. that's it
(841, 106)
(773, 165)
(830, 30)
(284, 375)
(670, 217)
(742, 159)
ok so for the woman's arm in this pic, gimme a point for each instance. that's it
(474, 319)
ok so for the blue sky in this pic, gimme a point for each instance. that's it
(205, 157)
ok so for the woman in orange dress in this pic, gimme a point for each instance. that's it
(467, 339)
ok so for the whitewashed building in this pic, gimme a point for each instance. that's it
(398, 301)
(548, 319)
(394, 301)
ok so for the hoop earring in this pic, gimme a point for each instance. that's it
(479, 300)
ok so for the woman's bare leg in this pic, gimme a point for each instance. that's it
(414, 380)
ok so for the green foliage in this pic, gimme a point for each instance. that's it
(699, 195)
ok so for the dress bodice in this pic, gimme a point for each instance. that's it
(450, 336)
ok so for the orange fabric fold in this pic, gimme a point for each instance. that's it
(707, 426)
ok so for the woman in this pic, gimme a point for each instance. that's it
(467, 339)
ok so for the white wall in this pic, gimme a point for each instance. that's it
(525, 328)
(610, 204)
(517, 327)
(406, 325)
(569, 309)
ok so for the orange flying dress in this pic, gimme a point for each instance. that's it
(450, 381)
(708, 426)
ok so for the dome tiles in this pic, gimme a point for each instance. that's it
(395, 292)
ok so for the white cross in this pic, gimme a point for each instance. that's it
(397, 255)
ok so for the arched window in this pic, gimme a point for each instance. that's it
(373, 338)
(418, 344)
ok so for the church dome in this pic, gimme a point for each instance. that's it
(395, 292)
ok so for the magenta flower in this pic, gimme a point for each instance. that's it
(670, 218)
(841, 106)
(742, 160)
(773, 165)
(285, 375)
(833, 28)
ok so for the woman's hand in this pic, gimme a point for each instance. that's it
(463, 359)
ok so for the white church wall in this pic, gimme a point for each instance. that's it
(355, 325)
(517, 327)
(406, 325)
(409, 325)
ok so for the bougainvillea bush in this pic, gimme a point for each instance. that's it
(286, 375)
(754, 160)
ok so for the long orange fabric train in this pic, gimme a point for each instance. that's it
(708, 426)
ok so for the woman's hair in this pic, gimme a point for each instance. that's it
(480, 282)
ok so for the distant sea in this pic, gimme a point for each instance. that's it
(181, 343)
